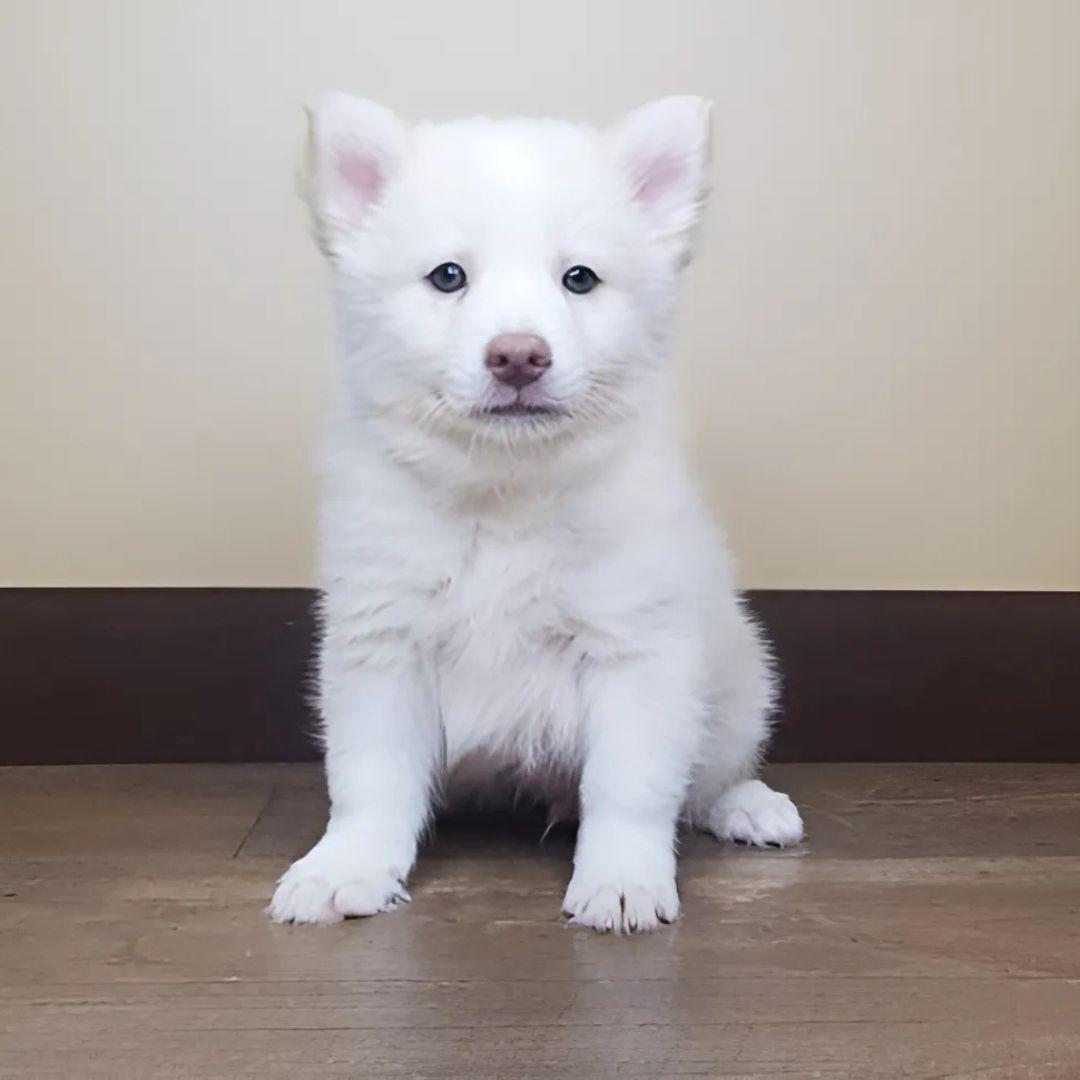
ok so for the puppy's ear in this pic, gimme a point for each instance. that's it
(355, 149)
(663, 150)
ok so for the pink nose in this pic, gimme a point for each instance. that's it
(518, 359)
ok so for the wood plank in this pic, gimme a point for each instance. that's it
(931, 927)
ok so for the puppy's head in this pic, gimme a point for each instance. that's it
(505, 278)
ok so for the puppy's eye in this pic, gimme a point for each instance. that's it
(447, 277)
(580, 279)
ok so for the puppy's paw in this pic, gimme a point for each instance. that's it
(621, 904)
(329, 884)
(752, 813)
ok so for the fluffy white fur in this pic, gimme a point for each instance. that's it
(533, 603)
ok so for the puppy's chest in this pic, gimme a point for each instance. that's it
(509, 598)
(511, 640)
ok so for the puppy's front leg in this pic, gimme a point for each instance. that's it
(383, 742)
(642, 730)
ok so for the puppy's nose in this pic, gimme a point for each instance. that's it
(518, 359)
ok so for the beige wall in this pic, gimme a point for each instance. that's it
(881, 339)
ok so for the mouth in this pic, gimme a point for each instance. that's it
(519, 410)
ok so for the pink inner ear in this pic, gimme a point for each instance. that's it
(361, 172)
(657, 177)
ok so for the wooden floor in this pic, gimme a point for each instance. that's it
(929, 928)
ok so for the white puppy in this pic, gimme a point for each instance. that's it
(523, 590)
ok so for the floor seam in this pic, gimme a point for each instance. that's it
(254, 825)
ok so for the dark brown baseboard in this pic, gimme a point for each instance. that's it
(184, 675)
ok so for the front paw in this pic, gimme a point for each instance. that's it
(333, 882)
(621, 903)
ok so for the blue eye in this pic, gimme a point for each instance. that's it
(447, 277)
(580, 279)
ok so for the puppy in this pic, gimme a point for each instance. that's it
(522, 590)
